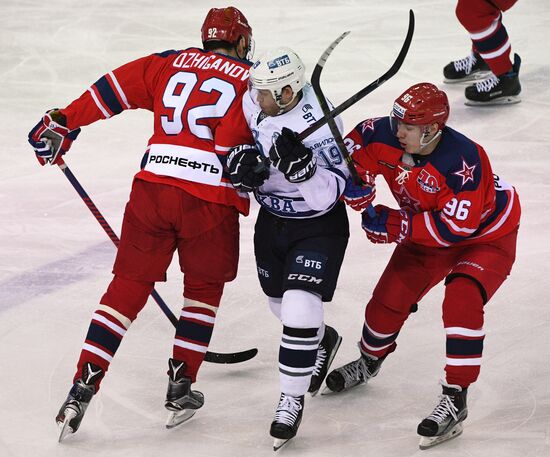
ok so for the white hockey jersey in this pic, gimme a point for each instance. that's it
(321, 192)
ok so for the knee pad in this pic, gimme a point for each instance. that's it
(476, 16)
(301, 309)
(202, 291)
(384, 318)
(127, 296)
(463, 303)
(453, 277)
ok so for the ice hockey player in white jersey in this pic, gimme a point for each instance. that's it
(302, 228)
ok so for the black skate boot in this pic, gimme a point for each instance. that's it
(325, 355)
(180, 399)
(287, 420)
(501, 90)
(72, 411)
(354, 373)
(445, 422)
(467, 69)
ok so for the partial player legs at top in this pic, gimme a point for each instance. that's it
(483, 21)
(490, 56)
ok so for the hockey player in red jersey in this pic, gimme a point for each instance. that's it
(182, 199)
(489, 59)
(457, 222)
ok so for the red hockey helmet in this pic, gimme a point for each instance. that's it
(226, 24)
(422, 104)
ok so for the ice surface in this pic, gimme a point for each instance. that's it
(56, 260)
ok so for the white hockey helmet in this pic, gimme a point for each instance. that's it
(277, 69)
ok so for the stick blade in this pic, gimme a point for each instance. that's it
(230, 357)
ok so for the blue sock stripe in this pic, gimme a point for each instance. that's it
(103, 338)
(459, 347)
(374, 341)
(297, 359)
(194, 331)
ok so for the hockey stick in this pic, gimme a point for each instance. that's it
(214, 357)
(316, 83)
(368, 89)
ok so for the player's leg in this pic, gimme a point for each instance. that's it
(301, 316)
(410, 273)
(463, 321)
(477, 274)
(491, 44)
(144, 253)
(314, 253)
(208, 232)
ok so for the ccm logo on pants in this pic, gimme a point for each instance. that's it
(305, 278)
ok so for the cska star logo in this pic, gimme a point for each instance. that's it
(406, 201)
(467, 172)
(368, 124)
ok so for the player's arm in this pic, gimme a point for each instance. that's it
(126, 87)
(457, 220)
(320, 187)
(359, 196)
(327, 184)
(123, 88)
(247, 168)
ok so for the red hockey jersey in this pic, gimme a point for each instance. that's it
(196, 100)
(452, 192)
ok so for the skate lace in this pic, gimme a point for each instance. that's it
(320, 360)
(487, 84)
(356, 371)
(288, 409)
(443, 409)
(465, 64)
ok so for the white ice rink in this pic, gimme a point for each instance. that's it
(56, 260)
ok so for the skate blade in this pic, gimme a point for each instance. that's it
(427, 442)
(278, 443)
(332, 356)
(328, 391)
(475, 77)
(179, 417)
(65, 428)
(510, 100)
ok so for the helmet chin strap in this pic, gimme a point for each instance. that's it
(278, 95)
(423, 142)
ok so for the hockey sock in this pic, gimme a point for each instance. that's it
(193, 334)
(463, 321)
(381, 328)
(297, 355)
(106, 330)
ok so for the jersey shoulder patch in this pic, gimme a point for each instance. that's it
(457, 158)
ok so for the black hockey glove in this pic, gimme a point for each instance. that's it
(289, 155)
(248, 169)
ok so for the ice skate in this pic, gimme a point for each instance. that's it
(72, 410)
(501, 90)
(325, 355)
(470, 68)
(445, 422)
(287, 420)
(181, 401)
(353, 374)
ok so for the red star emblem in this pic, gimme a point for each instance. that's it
(467, 172)
(368, 124)
(406, 201)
